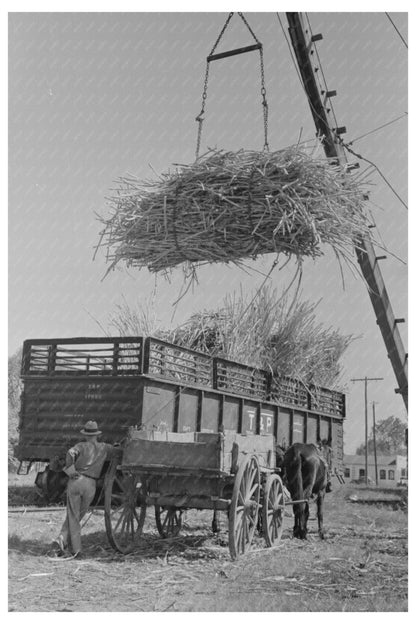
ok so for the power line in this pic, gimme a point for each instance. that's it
(377, 129)
(393, 190)
(397, 30)
(345, 145)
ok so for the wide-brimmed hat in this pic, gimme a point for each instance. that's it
(91, 428)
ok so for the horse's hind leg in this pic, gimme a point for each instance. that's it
(215, 522)
(319, 505)
(296, 526)
(306, 516)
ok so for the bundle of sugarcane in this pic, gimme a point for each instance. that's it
(271, 333)
(263, 330)
(231, 206)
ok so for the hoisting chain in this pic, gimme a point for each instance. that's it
(263, 86)
(200, 118)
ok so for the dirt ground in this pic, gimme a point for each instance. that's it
(361, 566)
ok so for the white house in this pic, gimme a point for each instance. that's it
(390, 468)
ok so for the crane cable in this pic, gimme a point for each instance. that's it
(397, 30)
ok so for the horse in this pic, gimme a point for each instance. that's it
(306, 475)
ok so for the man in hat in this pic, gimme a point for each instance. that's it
(84, 463)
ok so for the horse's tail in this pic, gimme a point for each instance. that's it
(293, 470)
(294, 480)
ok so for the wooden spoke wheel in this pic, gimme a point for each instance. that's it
(168, 520)
(125, 508)
(273, 510)
(244, 506)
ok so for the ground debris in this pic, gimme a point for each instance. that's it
(363, 568)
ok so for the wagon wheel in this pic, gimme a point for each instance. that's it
(244, 506)
(168, 520)
(273, 510)
(125, 508)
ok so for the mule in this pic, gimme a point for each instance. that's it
(306, 476)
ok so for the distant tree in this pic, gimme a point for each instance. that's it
(14, 386)
(390, 438)
(14, 390)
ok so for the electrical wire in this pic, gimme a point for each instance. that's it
(377, 129)
(397, 30)
(346, 146)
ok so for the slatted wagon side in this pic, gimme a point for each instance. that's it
(159, 386)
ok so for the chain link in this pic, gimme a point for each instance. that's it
(221, 33)
(263, 86)
(264, 103)
(249, 27)
(200, 118)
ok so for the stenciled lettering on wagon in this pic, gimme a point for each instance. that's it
(68, 421)
(266, 421)
(251, 422)
(93, 391)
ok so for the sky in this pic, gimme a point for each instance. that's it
(93, 96)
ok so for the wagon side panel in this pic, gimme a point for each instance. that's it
(188, 410)
(298, 427)
(159, 405)
(231, 414)
(210, 412)
(145, 454)
(54, 410)
(284, 428)
(312, 428)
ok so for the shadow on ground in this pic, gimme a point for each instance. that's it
(188, 547)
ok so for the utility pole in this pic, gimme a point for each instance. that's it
(375, 441)
(366, 380)
(319, 99)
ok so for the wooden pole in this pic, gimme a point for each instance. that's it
(366, 427)
(374, 441)
(366, 380)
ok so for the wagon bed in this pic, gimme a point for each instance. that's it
(174, 472)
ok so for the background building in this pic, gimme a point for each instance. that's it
(390, 468)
